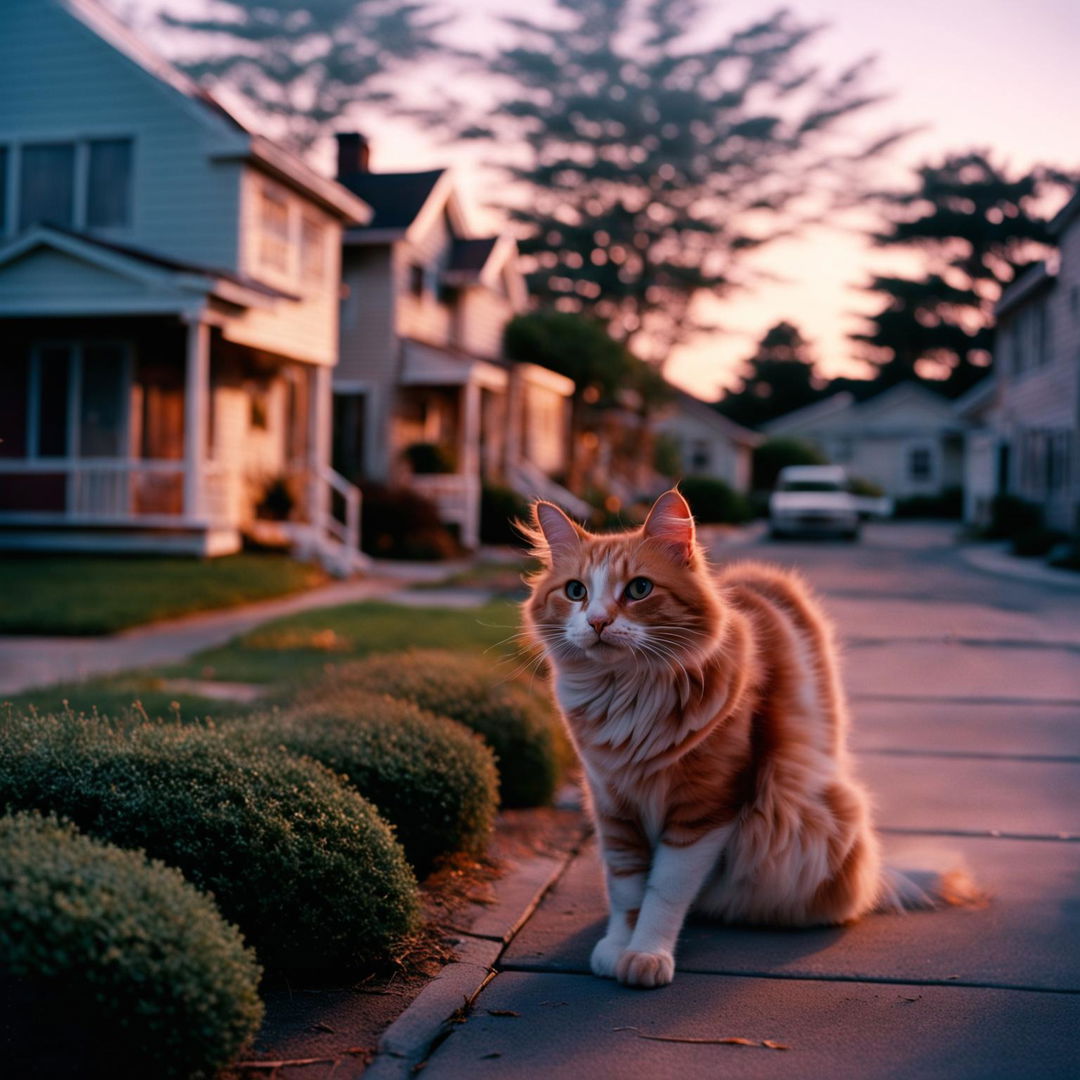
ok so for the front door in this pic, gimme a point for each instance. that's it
(350, 427)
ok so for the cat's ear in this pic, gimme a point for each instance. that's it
(560, 535)
(671, 524)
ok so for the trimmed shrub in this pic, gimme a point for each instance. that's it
(396, 523)
(520, 730)
(1034, 543)
(1010, 515)
(426, 458)
(947, 504)
(714, 502)
(297, 859)
(429, 777)
(114, 964)
(500, 507)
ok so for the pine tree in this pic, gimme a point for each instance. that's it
(777, 379)
(647, 161)
(306, 61)
(976, 227)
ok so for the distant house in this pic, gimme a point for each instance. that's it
(908, 439)
(708, 444)
(425, 304)
(169, 288)
(1028, 415)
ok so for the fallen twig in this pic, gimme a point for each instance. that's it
(726, 1040)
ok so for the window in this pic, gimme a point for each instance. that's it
(274, 229)
(700, 459)
(78, 401)
(108, 183)
(312, 249)
(920, 464)
(47, 184)
(416, 280)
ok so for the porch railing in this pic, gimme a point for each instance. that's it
(457, 497)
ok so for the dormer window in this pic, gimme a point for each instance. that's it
(85, 184)
(273, 229)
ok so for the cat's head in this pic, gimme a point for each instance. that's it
(636, 599)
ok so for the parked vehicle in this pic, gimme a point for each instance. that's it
(814, 500)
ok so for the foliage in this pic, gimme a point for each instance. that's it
(714, 502)
(500, 507)
(1034, 543)
(427, 458)
(1069, 556)
(776, 380)
(1010, 515)
(278, 500)
(398, 523)
(776, 454)
(302, 863)
(305, 62)
(648, 157)
(94, 594)
(117, 957)
(667, 460)
(515, 724)
(947, 503)
(976, 227)
(859, 485)
(434, 781)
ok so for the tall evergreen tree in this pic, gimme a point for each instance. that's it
(648, 159)
(976, 227)
(777, 379)
(306, 61)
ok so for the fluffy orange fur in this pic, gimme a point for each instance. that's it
(709, 716)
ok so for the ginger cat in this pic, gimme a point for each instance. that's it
(709, 716)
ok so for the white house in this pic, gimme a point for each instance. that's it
(425, 304)
(908, 439)
(708, 444)
(1028, 435)
(169, 286)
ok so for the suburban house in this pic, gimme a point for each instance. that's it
(908, 439)
(169, 290)
(423, 395)
(1027, 418)
(708, 444)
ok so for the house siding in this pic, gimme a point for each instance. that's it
(70, 84)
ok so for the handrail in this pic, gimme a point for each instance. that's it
(346, 532)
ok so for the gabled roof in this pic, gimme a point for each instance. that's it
(395, 198)
(819, 410)
(236, 141)
(1030, 283)
(1064, 217)
(705, 413)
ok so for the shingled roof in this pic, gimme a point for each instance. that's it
(396, 198)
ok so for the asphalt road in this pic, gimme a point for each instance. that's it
(966, 700)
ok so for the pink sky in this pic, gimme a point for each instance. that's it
(977, 73)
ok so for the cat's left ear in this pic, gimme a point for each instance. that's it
(671, 523)
(560, 535)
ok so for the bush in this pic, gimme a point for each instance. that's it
(713, 502)
(396, 523)
(1034, 543)
(776, 454)
(500, 507)
(521, 731)
(302, 863)
(427, 458)
(867, 489)
(1011, 515)
(429, 777)
(1068, 558)
(947, 504)
(115, 965)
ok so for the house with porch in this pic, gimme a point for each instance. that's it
(423, 395)
(1027, 414)
(169, 289)
(908, 440)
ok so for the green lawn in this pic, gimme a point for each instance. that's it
(90, 594)
(287, 655)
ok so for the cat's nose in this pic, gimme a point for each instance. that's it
(599, 622)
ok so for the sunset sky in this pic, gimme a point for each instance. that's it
(976, 73)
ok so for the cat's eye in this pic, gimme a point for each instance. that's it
(639, 588)
(576, 590)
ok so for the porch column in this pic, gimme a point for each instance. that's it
(320, 414)
(196, 403)
(470, 462)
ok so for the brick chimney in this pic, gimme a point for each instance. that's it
(353, 153)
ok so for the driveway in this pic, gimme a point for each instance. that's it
(966, 700)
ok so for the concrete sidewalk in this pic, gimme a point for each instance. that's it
(972, 748)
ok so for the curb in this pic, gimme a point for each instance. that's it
(993, 560)
(431, 1017)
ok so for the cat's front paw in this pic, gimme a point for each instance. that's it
(605, 956)
(646, 970)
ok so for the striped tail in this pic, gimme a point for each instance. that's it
(925, 890)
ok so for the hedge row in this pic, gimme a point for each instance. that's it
(298, 860)
(522, 732)
(144, 974)
(434, 781)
